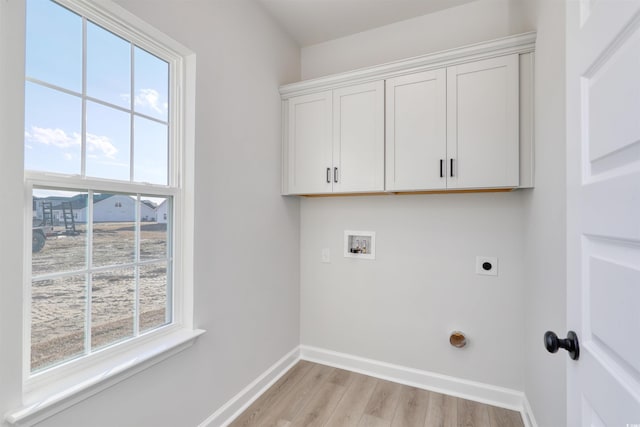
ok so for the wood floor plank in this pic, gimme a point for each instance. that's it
(320, 407)
(435, 411)
(500, 417)
(450, 411)
(351, 406)
(257, 410)
(472, 414)
(371, 421)
(311, 394)
(411, 410)
(286, 409)
(341, 377)
(442, 411)
(383, 401)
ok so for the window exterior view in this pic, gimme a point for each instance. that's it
(97, 160)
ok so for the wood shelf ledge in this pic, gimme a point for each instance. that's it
(408, 193)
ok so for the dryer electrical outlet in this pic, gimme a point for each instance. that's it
(487, 265)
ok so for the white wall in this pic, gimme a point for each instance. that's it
(545, 289)
(462, 25)
(401, 307)
(246, 266)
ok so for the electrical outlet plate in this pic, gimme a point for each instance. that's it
(326, 255)
(487, 265)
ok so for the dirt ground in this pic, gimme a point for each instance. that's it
(59, 309)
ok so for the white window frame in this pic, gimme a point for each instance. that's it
(49, 391)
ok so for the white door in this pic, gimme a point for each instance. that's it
(603, 211)
(358, 138)
(416, 132)
(482, 123)
(309, 144)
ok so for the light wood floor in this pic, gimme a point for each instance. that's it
(316, 395)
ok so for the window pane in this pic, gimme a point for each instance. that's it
(54, 45)
(108, 66)
(151, 151)
(57, 320)
(114, 222)
(153, 296)
(58, 234)
(112, 306)
(151, 82)
(153, 235)
(52, 131)
(96, 106)
(108, 142)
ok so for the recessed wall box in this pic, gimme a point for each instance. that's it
(360, 244)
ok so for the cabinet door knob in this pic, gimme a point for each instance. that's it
(441, 170)
(451, 166)
(328, 175)
(335, 174)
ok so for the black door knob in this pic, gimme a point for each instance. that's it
(553, 343)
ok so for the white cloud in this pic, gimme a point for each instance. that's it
(48, 136)
(101, 144)
(96, 144)
(150, 98)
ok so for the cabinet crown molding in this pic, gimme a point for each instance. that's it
(520, 43)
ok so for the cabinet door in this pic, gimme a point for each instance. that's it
(416, 132)
(309, 144)
(482, 123)
(358, 138)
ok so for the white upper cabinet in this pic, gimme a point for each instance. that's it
(482, 124)
(461, 119)
(358, 138)
(310, 143)
(335, 141)
(454, 128)
(416, 138)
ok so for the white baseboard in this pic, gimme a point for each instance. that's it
(479, 392)
(527, 414)
(241, 401)
(472, 390)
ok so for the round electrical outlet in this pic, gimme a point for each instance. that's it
(487, 265)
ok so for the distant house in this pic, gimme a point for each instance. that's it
(106, 208)
(161, 212)
(118, 208)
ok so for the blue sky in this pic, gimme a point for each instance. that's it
(53, 119)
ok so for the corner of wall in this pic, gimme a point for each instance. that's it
(545, 250)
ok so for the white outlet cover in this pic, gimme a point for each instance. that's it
(326, 255)
(482, 269)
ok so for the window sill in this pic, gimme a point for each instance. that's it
(49, 400)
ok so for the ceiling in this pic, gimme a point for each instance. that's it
(315, 21)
